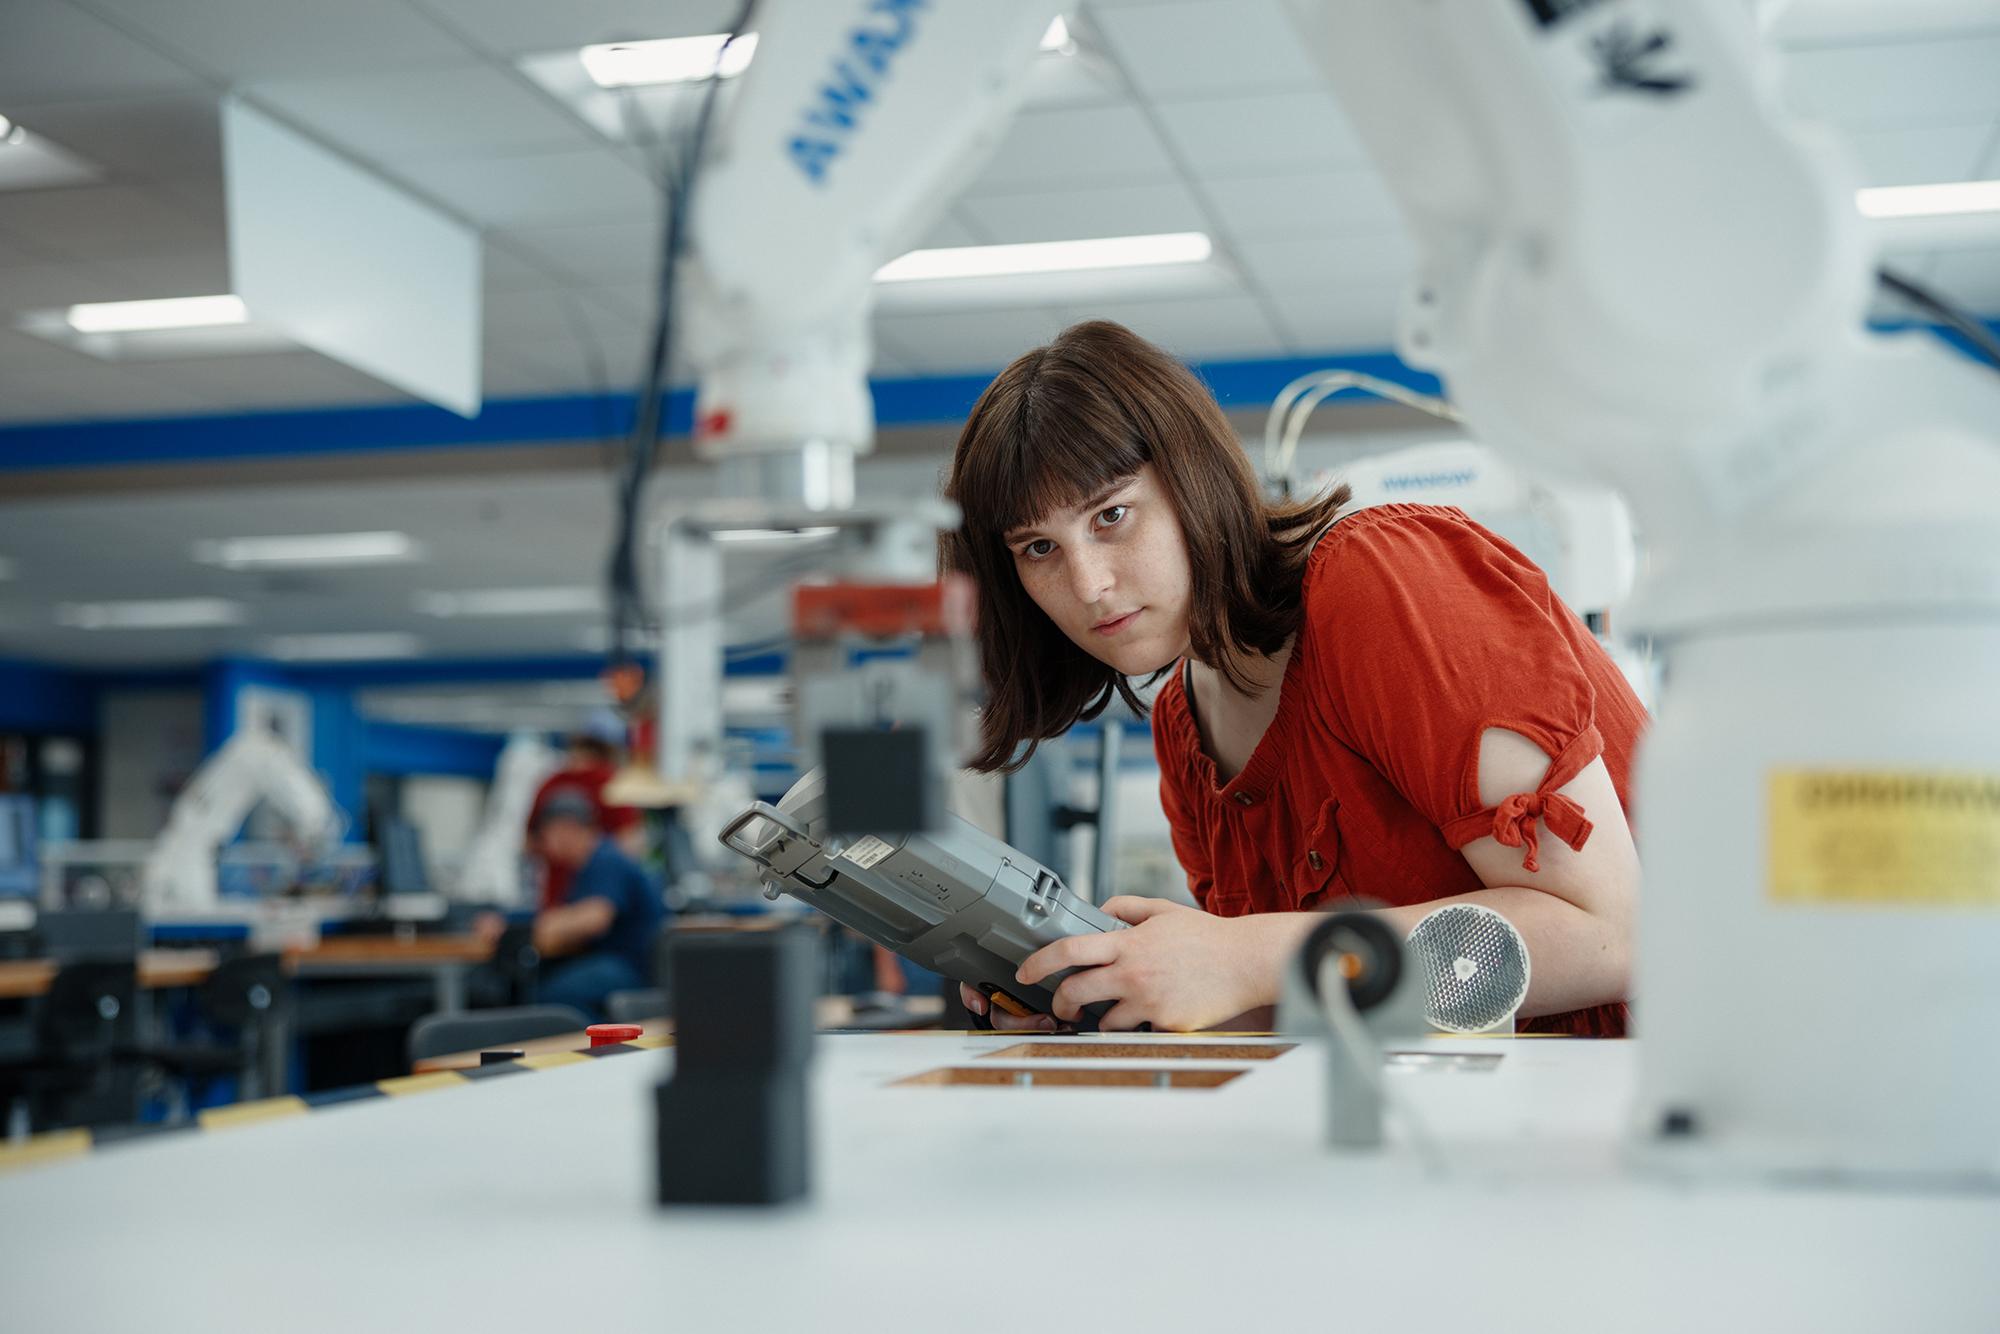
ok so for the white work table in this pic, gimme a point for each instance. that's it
(525, 1203)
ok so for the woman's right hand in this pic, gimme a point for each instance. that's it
(970, 997)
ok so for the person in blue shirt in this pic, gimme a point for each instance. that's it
(599, 939)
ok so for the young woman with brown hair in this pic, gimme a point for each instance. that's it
(1388, 706)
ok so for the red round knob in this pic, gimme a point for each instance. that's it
(606, 1035)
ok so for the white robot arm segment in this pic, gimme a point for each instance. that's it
(251, 767)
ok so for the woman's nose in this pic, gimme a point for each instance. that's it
(1090, 577)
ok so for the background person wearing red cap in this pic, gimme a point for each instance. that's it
(599, 939)
(592, 755)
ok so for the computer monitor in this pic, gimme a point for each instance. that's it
(20, 864)
(400, 846)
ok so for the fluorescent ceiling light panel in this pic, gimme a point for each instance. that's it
(512, 602)
(342, 647)
(1000, 261)
(666, 60)
(1929, 201)
(177, 312)
(769, 534)
(150, 614)
(310, 549)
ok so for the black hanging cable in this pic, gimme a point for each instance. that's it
(1943, 311)
(677, 183)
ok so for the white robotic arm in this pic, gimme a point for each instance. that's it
(847, 137)
(251, 767)
(1636, 268)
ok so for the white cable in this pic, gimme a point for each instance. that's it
(1295, 403)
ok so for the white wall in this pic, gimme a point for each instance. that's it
(445, 811)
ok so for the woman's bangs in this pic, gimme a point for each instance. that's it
(1049, 472)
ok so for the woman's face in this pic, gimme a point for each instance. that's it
(1112, 574)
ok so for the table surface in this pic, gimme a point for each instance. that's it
(833, 1012)
(419, 951)
(157, 969)
(525, 1203)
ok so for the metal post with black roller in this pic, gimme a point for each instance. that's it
(734, 1118)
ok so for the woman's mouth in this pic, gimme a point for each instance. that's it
(1117, 623)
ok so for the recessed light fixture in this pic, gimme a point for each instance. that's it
(309, 549)
(690, 59)
(1929, 201)
(342, 647)
(151, 614)
(177, 312)
(997, 261)
(512, 602)
(769, 534)
(666, 60)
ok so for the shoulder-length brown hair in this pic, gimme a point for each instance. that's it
(1061, 424)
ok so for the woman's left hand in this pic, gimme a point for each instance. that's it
(1177, 968)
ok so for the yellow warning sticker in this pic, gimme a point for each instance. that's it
(1878, 836)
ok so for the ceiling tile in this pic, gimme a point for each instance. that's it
(1075, 146)
(596, 255)
(1903, 83)
(395, 116)
(239, 40)
(1367, 259)
(954, 229)
(275, 380)
(969, 341)
(104, 222)
(141, 139)
(1081, 78)
(1064, 215)
(540, 189)
(1213, 328)
(1313, 204)
(1262, 135)
(55, 52)
(42, 286)
(190, 273)
(608, 314)
(1198, 47)
(1338, 318)
(503, 269)
(1921, 155)
(523, 27)
(1860, 22)
(1970, 279)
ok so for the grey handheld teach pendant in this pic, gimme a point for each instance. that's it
(955, 900)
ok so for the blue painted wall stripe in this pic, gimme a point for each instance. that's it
(898, 402)
(914, 401)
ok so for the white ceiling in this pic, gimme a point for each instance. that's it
(1176, 114)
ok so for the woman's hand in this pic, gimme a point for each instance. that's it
(1177, 968)
(1003, 1022)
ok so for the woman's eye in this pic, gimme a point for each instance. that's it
(1038, 548)
(1108, 517)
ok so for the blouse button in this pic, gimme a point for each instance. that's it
(1314, 860)
(1245, 799)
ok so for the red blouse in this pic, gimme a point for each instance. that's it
(1421, 630)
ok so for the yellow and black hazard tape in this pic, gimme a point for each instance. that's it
(55, 1145)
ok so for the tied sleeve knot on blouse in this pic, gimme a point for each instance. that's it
(1512, 823)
